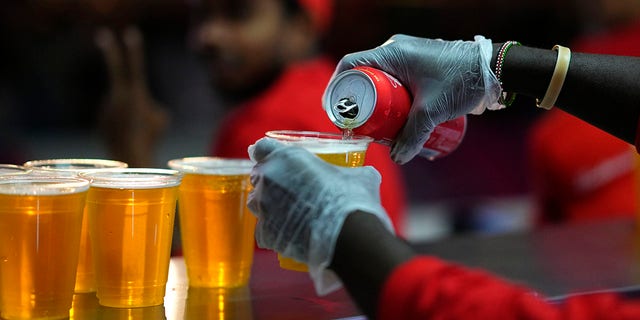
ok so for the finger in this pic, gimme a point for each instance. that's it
(106, 41)
(363, 58)
(414, 134)
(371, 57)
(134, 44)
(262, 148)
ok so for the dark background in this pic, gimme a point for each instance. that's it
(52, 81)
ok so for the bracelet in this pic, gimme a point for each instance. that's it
(505, 99)
(557, 79)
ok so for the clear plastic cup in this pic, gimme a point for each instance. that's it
(337, 149)
(215, 224)
(131, 214)
(40, 223)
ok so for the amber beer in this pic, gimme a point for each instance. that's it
(85, 278)
(40, 220)
(131, 215)
(215, 224)
(332, 148)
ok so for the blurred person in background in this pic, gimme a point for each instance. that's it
(265, 58)
(580, 172)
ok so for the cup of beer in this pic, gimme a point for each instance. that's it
(131, 214)
(337, 149)
(40, 221)
(215, 224)
(85, 278)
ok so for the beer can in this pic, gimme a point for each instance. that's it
(371, 102)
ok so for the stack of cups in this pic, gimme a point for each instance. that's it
(85, 277)
(40, 223)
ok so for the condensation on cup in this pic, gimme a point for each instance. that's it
(370, 102)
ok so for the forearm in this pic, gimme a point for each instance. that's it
(365, 254)
(603, 90)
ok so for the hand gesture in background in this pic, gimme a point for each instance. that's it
(131, 119)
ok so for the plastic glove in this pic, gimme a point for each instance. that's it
(301, 203)
(447, 79)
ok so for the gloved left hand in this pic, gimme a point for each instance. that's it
(301, 203)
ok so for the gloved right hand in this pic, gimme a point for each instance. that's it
(301, 203)
(447, 79)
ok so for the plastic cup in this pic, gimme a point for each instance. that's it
(131, 215)
(333, 148)
(40, 221)
(215, 224)
(85, 277)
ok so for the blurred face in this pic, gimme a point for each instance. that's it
(242, 42)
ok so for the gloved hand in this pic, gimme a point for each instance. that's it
(301, 203)
(447, 79)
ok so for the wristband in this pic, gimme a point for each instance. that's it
(505, 98)
(557, 79)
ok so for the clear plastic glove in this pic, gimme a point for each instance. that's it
(447, 79)
(301, 203)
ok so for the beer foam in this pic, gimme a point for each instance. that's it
(330, 149)
(322, 142)
(42, 187)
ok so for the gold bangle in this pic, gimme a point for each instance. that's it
(557, 80)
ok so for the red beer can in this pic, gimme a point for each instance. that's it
(373, 103)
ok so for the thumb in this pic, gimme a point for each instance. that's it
(262, 148)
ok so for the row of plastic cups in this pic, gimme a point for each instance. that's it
(130, 215)
(40, 233)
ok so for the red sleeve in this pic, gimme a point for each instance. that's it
(637, 142)
(428, 288)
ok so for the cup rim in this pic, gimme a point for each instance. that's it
(13, 169)
(43, 184)
(334, 138)
(133, 178)
(82, 163)
(212, 165)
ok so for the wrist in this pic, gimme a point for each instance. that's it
(366, 253)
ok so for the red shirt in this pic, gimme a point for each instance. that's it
(294, 102)
(579, 171)
(428, 288)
